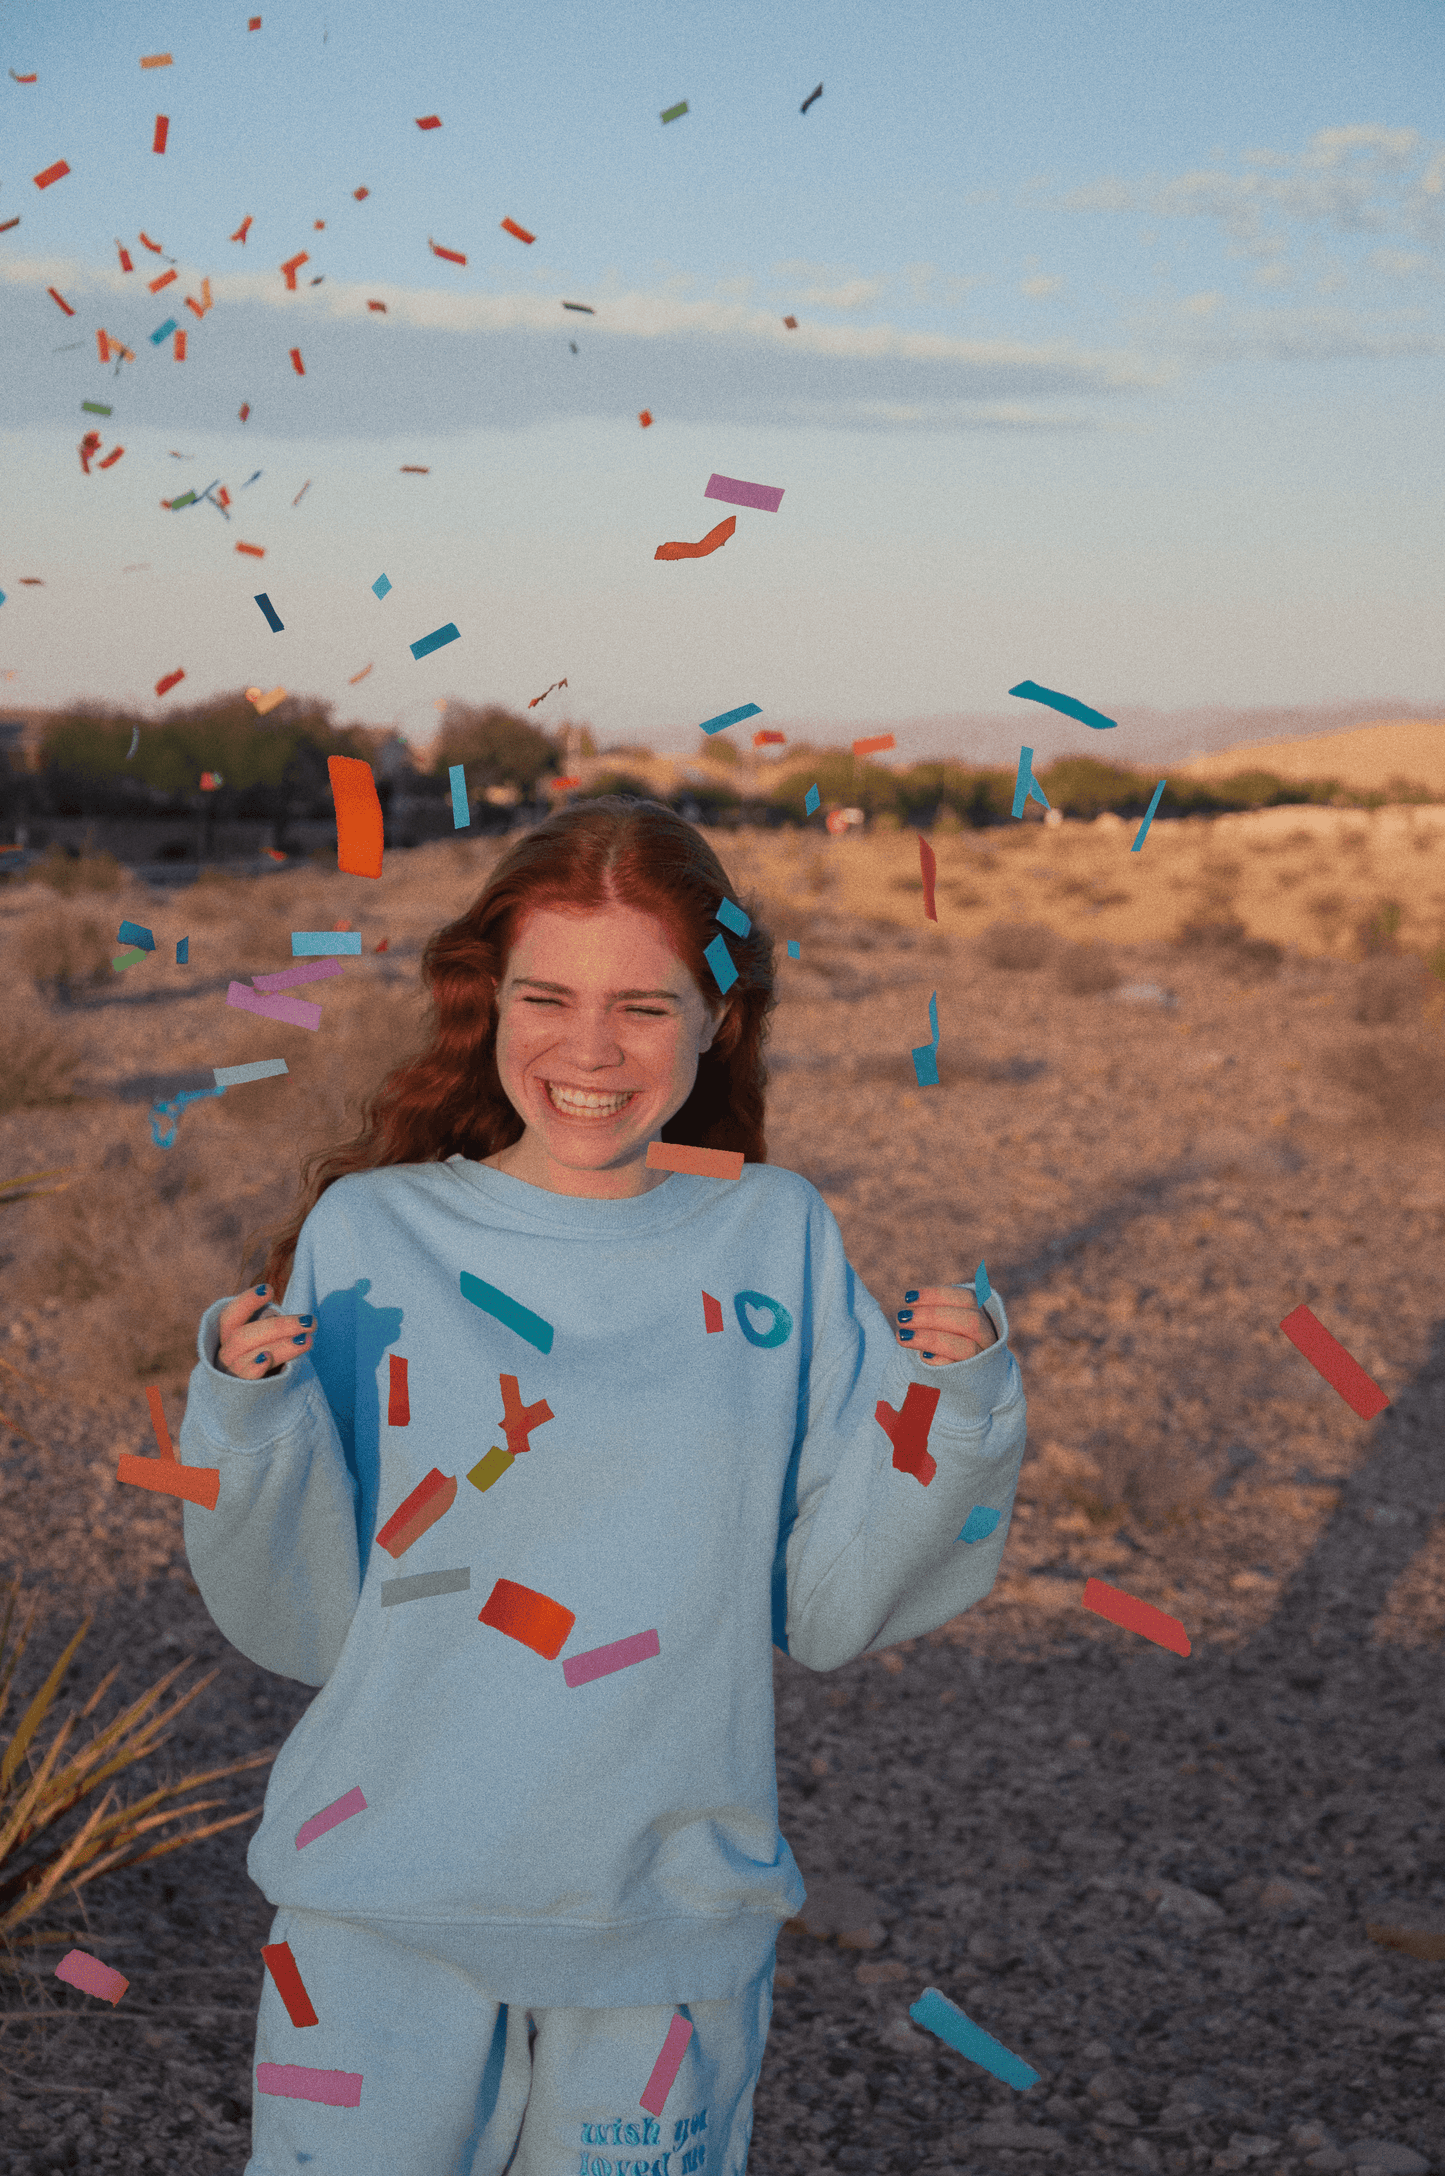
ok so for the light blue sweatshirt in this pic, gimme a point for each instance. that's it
(612, 1842)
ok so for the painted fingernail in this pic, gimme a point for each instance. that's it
(299, 1340)
(928, 1356)
(905, 1314)
(262, 1359)
(910, 1295)
(905, 1335)
(305, 1321)
(260, 1291)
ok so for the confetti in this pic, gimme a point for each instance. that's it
(269, 613)
(982, 1289)
(519, 1420)
(1132, 1615)
(507, 1311)
(712, 1314)
(795, 950)
(713, 541)
(545, 693)
(302, 492)
(377, 306)
(24, 79)
(163, 129)
(730, 717)
(254, 23)
(171, 680)
(767, 739)
(133, 933)
(292, 265)
(876, 746)
(156, 60)
(645, 418)
(436, 641)
(430, 120)
(811, 99)
(928, 863)
(135, 729)
(665, 2069)
(57, 172)
(675, 113)
(7, 224)
(733, 918)
(256, 551)
(180, 347)
(361, 195)
(95, 408)
(585, 308)
(243, 230)
(461, 813)
(161, 280)
(1142, 833)
(938, 2015)
(56, 296)
(421, 1585)
(358, 676)
(1033, 693)
(411, 469)
(244, 410)
(263, 703)
(279, 1962)
(980, 1523)
(340, 1809)
(907, 1430)
(325, 943)
(359, 834)
(292, 2081)
(791, 323)
(296, 363)
(925, 1056)
(1026, 786)
(767, 498)
(165, 1475)
(163, 332)
(154, 247)
(79, 1969)
(810, 800)
(532, 1619)
(491, 1468)
(285, 978)
(695, 1163)
(452, 256)
(398, 1397)
(430, 1500)
(183, 959)
(509, 226)
(597, 1662)
(720, 960)
(1329, 1358)
(380, 587)
(240, 1076)
(295, 1011)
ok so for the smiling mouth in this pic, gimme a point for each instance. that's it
(587, 1103)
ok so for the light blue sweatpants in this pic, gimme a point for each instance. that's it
(455, 2083)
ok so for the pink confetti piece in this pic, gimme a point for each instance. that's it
(293, 2081)
(667, 2066)
(79, 1969)
(603, 1661)
(767, 498)
(295, 1010)
(307, 971)
(340, 1809)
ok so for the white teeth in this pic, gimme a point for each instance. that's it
(582, 1102)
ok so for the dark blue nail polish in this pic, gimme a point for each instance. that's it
(905, 1335)
(905, 1314)
(305, 1321)
(262, 1359)
(299, 1340)
(260, 1291)
(910, 1295)
(928, 1356)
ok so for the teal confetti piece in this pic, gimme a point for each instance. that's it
(720, 960)
(925, 1057)
(269, 613)
(730, 717)
(795, 950)
(163, 332)
(380, 587)
(507, 1311)
(1033, 693)
(132, 933)
(183, 952)
(733, 918)
(236, 1076)
(982, 1289)
(461, 813)
(811, 800)
(980, 1523)
(1026, 787)
(1142, 832)
(438, 641)
(938, 2015)
(325, 944)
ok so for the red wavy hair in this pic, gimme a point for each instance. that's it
(449, 1100)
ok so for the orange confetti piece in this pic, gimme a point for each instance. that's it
(377, 306)
(257, 551)
(713, 541)
(645, 419)
(24, 79)
(430, 1500)
(874, 746)
(509, 226)
(414, 471)
(296, 363)
(244, 410)
(163, 129)
(163, 279)
(361, 195)
(358, 676)
(57, 172)
(172, 679)
(55, 296)
(152, 245)
(453, 256)
(156, 60)
(125, 260)
(533, 1619)
(254, 23)
(358, 816)
(111, 458)
(791, 323)
(180, 347)
(241, 232)
(430, 120)
(290, 267)
(697, 1163)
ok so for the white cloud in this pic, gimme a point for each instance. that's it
(1041, 284)
(850, 295)
(1273, 275)
(1204, 305)
(1402, 264)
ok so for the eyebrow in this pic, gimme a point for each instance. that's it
(533, 982)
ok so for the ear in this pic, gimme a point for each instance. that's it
(721, 1030)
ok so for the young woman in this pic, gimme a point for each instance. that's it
(673, 1431)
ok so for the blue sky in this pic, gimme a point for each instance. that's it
(1117, 364)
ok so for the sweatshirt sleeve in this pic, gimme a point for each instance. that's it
(871, 1552)
(278, 1560)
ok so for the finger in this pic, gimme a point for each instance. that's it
(277, 1339)
(245, 1307)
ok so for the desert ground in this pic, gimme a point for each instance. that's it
(1181, 1092)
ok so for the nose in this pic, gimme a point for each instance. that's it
(591, 1042)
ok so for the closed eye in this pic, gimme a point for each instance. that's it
(647, 1012)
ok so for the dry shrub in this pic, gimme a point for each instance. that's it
(37, 1066)
(1401, 1077)
(81, 873)
(1089, 970)
(1226, 941)
(820, 875)
(1377, 931)
(64, 952)
(1393, 989)
(1020, 947)
(1153, 1485)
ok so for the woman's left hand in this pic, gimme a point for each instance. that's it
(942, 1323)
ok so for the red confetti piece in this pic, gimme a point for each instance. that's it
(257, 551)
(7, 224)
(533, 1619)
(413, 470)
(382, 946)
(245, 410)
(282, 1966)
(377, 306)
(1132, 1615)
(875, 746)
(767, 739)
(361, 195)
(928, 863)
(289, 268)
(713, 541)
(165, 1475)
(430, 1500)
(564, 785)
(545, 693)
(162, 279)
(163, 129)
(125, 259)
(57, 172)
(430, 120)
(180, 347)
(172, 679)
(296, 363)
(24, 79)
(243, 230)
(509, 226)
(519, 1420)
(254, 23)
(453, 256)
(1343, 1373)
(698, 1163)
(907, 1430)
(398, 1403)
(712, 1314)
(111, 458)
(57, 297)
(358, 816)
(319, 225)
(791, 323)
(152, 245)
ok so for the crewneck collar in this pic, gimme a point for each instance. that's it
(677, 1197)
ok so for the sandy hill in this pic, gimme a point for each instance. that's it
(1367, 758)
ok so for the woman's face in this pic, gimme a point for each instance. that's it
(600, 1027)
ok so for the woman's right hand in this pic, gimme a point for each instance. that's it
(256, 1339)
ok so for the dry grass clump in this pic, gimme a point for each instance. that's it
(37, 1064)
(1018, 947)
(68, 874)
(1228, 943)
(63, 953)
(1154, 1487)
(1088, 970)
(1401, 1077)
(1391, 989)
